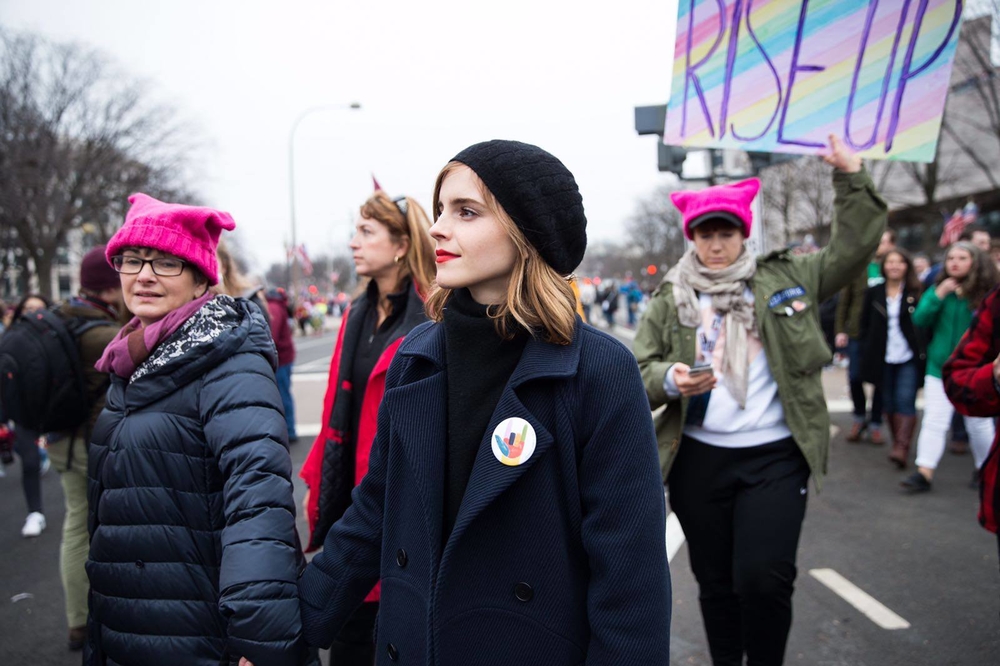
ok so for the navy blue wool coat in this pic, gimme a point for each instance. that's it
(194, 554)
(559, 560)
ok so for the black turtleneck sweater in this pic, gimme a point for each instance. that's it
(479, 363)
(373, 341)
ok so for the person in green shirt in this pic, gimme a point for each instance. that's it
(968, 275)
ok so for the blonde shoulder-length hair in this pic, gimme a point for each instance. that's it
(538, 298)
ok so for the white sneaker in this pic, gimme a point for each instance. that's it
(33, 525)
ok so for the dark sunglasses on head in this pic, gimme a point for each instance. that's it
(402, 205)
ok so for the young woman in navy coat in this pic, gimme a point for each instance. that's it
(513, 506)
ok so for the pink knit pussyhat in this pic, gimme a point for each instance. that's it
(189, 232)
(729, 202)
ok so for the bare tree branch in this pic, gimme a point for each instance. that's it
(77, 136)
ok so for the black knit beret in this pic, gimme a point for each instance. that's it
(539, 193)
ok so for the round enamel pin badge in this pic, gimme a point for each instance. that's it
(513, 441)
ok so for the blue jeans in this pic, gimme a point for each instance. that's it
(284, 378)
(899, 388)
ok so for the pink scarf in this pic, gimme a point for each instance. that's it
(134, 344)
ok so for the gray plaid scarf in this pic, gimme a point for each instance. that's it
(689, 278)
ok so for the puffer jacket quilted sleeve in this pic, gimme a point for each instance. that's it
(260, 554)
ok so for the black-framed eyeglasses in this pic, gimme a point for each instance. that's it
(162, 266)
(401, 204)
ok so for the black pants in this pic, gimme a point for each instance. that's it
(26, 447)
(858, 387)
(355, 644)
(741, 511)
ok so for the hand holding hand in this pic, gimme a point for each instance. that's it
(947, 286)
(841, 157)
(689, 384)
(841, 340)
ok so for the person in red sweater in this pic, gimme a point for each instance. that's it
(281, 331)
(972, 383)
(392, 247)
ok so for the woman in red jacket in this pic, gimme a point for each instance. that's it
(393, 249)
(972, 381)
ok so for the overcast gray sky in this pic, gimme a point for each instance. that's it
(433, 76)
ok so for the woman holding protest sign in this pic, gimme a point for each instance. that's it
(731, 347)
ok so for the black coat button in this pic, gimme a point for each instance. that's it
(393, 652)
(139, 564)
(523, 592)
(401, 558)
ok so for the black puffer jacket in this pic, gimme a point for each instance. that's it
(194, 554)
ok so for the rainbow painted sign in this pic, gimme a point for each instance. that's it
(781, 75)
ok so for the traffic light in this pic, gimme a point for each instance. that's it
(651, 120)
(670, 158)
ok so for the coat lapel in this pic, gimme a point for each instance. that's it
(419, 414)
(490, 477)
(419, 411)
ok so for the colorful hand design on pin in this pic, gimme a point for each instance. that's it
(513, 441)
(513, 447)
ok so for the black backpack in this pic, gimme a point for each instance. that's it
(42, 385)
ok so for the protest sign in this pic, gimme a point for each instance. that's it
(781, 75)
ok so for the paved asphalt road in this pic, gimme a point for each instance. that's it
(923, 558)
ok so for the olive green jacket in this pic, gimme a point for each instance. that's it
(792, 337)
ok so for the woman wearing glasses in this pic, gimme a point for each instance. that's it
(194, 555)
(393, 249)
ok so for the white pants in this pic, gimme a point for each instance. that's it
(938, 411)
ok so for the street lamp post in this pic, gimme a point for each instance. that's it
(293, 283)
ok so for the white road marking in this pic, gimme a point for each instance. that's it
(674, 535)
(311, 376)
(318, 365)
(846, 406)
(861, 600)
(307, 429)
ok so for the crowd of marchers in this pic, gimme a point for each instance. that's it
(488, 483)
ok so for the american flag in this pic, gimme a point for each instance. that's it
(959, 221)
